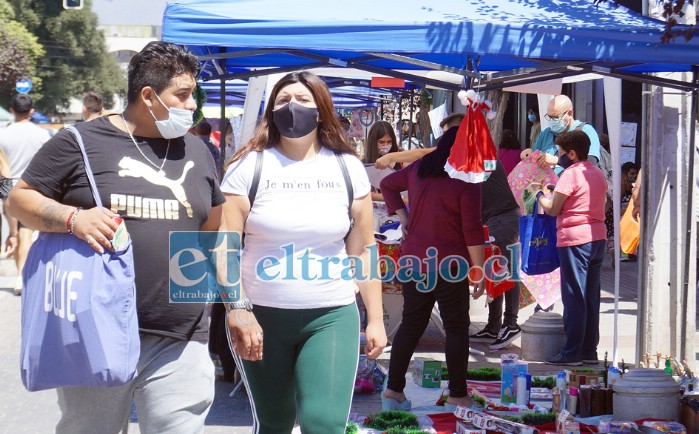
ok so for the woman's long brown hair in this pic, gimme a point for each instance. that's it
(376, 132)
(330, 133)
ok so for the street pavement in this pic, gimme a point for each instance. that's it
(37, 412)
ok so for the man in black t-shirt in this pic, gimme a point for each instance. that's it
(158, 179)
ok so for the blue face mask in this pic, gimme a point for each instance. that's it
(532, 118)
(557, 126)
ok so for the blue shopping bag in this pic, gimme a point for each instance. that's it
(537, 236)
(79, 323)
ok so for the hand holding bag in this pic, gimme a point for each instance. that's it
(79, 325)
(537, 236)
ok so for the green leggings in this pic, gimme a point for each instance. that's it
(310, 362)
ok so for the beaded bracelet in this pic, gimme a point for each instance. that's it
(71, 220)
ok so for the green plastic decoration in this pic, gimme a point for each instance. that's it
(200, 97)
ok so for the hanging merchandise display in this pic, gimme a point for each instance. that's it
(473, 155)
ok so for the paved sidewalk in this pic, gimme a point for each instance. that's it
(37, 412)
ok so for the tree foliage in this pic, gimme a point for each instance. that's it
(19, 54)
(76, 58)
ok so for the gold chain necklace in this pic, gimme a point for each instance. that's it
(167, 150)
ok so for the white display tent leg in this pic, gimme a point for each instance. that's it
(612, 102)
(251, 108)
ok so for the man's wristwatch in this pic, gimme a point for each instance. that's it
(240, 304)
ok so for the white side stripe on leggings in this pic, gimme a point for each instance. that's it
(239, 366)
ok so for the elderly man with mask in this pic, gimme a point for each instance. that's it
(559, 115)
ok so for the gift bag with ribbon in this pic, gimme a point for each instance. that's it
(79, 324)
(537, 235)
(526, 172)
(629, 231)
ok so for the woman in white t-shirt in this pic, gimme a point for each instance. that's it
(294, 267)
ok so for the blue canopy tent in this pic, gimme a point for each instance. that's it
(489, 43)
(528, 38)
(346, 93)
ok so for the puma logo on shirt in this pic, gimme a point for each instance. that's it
(151, 207)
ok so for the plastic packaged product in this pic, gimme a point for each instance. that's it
(562, 385)
(616, 427)
(522, 392)
(556, 405)
(666, 426)
(613, 375)
(573, 400)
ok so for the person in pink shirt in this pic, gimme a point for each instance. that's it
(578, 204)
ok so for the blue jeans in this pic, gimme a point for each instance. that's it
(581, 268)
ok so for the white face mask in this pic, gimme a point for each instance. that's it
(177, 124)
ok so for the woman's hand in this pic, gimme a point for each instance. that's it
(10, 245)
(384, 162)
(246, 334)
(375, 339)
(535, 187)
(96, 226)
(547, 160)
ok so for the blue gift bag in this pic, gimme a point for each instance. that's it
(537, 236)
(79, 324)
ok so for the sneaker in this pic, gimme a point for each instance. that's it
(505, 337)
(590, 360)
(483, 336)
(558, 359)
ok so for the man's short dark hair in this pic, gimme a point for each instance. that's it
(203, 129)
(93, 102)
(628, 166)
(453, 120)
(21, 104)
(157, 64)
(575, 140)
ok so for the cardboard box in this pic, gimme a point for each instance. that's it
(467, 428)
(427, 373)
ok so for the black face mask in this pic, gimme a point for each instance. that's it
(564, 161)
(294, 120)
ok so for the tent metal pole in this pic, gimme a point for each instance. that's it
(222, 122)
(688, 217)
(410, 131)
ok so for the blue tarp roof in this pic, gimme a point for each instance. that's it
(496, 35)
(346, 93)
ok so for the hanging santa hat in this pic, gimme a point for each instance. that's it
(473, 155)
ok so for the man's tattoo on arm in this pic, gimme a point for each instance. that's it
(51, 217)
